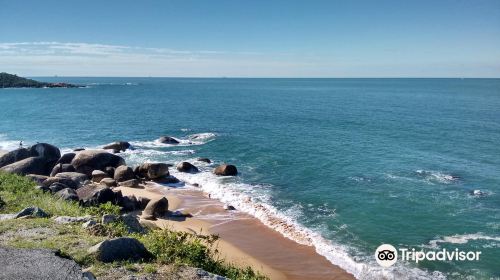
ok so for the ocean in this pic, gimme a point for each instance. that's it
(351, 163)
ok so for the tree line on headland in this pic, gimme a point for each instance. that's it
(13, 81)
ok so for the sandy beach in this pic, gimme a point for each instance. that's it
(244, 240)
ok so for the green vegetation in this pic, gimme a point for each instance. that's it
(170, 248)
(13, 81)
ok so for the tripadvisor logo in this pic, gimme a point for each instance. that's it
(386, 255)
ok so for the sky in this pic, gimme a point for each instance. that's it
(236, 38)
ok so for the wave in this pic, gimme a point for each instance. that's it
(8, 145)
(462, 239)
(437, 176)
(190, 140)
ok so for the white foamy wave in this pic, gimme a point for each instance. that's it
(255, 200)
(7, 144)
(437, 176)
(463, 239)
(190, 140)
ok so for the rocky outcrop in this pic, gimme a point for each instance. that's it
(168, 140)
(226, 170)
(123, 173)
(155, 208)
(66, 158)
(75, 176)
(187, 167)
(49, 152)
(117, 146)
(31, 165)
(152, 170)
(69, 183)
(120, 249)
(61, 168)
(89, 160)
(38, 264)
(13, 156)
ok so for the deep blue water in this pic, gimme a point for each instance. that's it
(361, 162)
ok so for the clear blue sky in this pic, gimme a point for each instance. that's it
(440, 38)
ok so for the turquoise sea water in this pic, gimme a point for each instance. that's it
(351, 163)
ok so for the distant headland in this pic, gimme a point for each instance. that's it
(13, 81)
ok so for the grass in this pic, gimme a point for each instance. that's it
(168, 247)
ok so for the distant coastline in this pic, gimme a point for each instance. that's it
(13, 81)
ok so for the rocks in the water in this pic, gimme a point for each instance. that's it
(66, 158)
(108, 218)
(14, 156)
(39, 179)
(187, 167)
(134, 183)
(118, 146)
(120, 249)
(226, 170)
(58, 168)
(31, 165)
(94, 195)
(155, 208)
(67, 194)
(477, 193)
(207, 160)
(38, 264)
(89, 160)
(31, 212)
(152, 170)
(98, 175)
(71, 220)
(123, 173)
(109, 182)
(168, 140)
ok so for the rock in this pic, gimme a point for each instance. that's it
(14, 156)
(229, 207)
(89, 160)
(39, 179)
(66, 158)
(226, 170)
(118, 146)
(61, 168)
(32, 212)
(134, 183)
(155, 208)
(132, 223)
(78, 149)
(129, 203)
(94, 195)
(111, 171)
(204, 160)
(38, 264)
(142, 202)
(31, 165)
(108, 218)
(69, 183)
(56, 187)
(120, 249)
(67, 194)
(49, 152)
(98, 175)
(109, 182)
(88, 224)
(71, 220)
(168, 140)
(168, 180)
(124, 173)
(152, 170)
(477, 193)
(42, 188)
(187, 167)
(79, 178)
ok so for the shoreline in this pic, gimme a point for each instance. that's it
(264, 249)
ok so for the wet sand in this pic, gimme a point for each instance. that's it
(244, 240)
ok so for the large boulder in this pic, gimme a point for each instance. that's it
(152, 170)
(226, 170)
(109, 182)
(117, 146)
(49, 152)
(66, 158)
(168, 140)
(14, 156)
(120, 249)
(69, 183)
(89, 160)
(61, 168)
(38, 264)
(67, 194)
(123, 173)
(134, 183)
(98, 175)
(75, 176)
(91, 195)
(155, 208)
(186, 167)
(31, 165)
